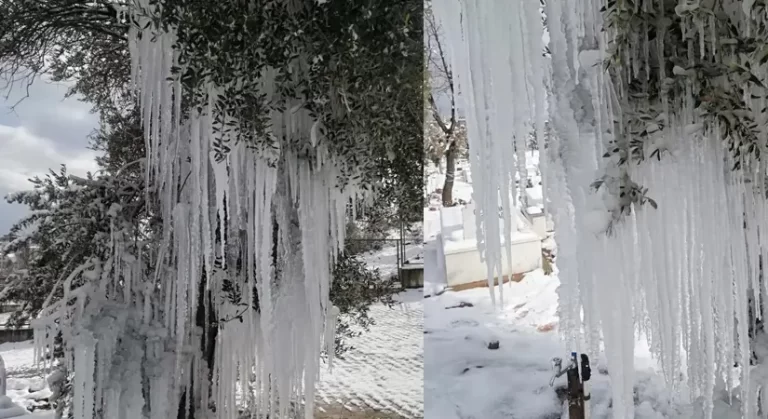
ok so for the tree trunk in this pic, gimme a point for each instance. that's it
(207, 322)
(450, 173)
(436, 161)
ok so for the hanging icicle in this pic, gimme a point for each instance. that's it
(657, 190)
(269, 220)
(498, 125)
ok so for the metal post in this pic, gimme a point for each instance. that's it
(575, 392)
(401, 251)
(399, 270)
(3, 377)
(586, 374)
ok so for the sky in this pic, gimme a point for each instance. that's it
(44, 131)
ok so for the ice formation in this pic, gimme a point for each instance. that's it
(497, 138)
(134, 340)
(685, 275)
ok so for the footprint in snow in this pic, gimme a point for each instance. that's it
(464, 323)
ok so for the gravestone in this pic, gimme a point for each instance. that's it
(468, 219)
(451, 223)
(434, 267)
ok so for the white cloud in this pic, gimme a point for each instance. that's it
(24, 155)
(44, 131)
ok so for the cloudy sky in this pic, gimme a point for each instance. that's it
(44, 131)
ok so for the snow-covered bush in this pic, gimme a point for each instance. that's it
(355, 287)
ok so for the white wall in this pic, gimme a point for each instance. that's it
(540, 225)
(463, 264)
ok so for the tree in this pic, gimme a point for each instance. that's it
(74, 40)
(671, 94)
(70, 223)
(347, 76)
(435, 145)
(442, 83)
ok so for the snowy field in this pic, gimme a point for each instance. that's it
(466, 380)
(384, 371)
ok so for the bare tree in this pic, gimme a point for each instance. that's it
(441, 82)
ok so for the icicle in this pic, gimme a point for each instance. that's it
(330, 335)
(486, 127)
(685, 286)
(229, 208)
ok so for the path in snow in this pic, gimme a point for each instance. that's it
(385, 368)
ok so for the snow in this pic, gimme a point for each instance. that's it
(385, 260)
(8, 409)
(384, 370)
(26, 387)
(463, 378)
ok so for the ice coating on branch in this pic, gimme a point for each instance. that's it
(270, 223)
(687, 263)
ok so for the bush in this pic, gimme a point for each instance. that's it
(354, 289)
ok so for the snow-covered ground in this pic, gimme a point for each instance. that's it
(384, 370)
(463, 379)
(385, 260)
(26, 385)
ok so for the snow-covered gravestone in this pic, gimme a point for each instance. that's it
(435, 280)
(468, 218)
(451, 223)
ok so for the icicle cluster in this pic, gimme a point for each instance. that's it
(219, 222)
(691, 269)
(498, 125)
